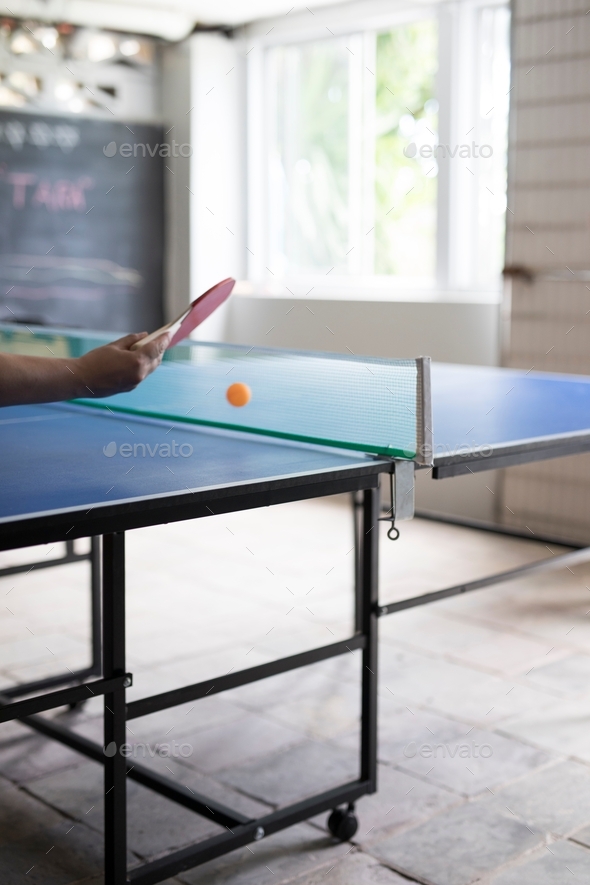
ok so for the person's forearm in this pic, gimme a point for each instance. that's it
(106, 370)
(32, 379)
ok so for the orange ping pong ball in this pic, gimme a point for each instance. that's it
(238, 394)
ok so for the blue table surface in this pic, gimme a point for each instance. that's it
(63, 456)
(475, 407)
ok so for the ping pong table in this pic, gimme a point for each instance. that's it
(330, 425)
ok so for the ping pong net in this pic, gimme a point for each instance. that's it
(366, 404)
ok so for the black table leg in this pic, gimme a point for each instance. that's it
(369, 550)
(357, 519)
(95, 603)
(113, 643)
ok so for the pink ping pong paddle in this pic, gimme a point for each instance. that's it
(194, 315)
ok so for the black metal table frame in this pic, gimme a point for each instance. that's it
(108, 636)
(70, 556)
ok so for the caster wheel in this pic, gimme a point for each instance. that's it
(343, 824)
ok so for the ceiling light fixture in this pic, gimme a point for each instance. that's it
(11, 99)
(129, 47)
(48, 37)
(24, 82)
(64, 91)
(101, 47)
(22, 44)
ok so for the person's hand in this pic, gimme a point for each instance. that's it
(114, 368)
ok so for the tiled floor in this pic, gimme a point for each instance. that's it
(484, 707)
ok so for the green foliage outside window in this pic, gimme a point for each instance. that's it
(405, 187)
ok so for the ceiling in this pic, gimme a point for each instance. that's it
(170, 19)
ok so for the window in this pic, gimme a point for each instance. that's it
(405, 185)
(310, 157)
(379, 160)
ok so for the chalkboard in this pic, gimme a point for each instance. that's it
(81, 222)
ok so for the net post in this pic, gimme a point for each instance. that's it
(424, 439)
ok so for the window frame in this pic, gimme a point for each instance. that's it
(456, 92)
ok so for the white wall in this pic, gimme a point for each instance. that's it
(549, 189)
(217, 226)
(175, 101)
(203, 106)
(457, 332)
